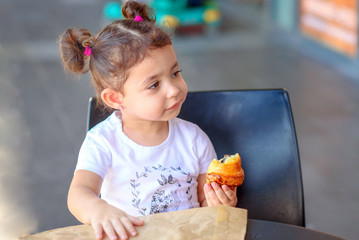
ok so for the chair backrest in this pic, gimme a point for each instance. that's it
(96, 113)
(258, 124)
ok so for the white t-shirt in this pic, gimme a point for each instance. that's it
(143, 180)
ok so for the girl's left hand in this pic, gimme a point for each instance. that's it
(215, 195)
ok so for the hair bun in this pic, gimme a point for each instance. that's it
(88, 42)
(72, 45)
(131, 9)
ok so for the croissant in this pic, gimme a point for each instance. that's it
(226, 171)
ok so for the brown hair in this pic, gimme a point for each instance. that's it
(115, 49)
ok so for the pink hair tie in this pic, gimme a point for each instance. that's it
(138, 18)
(87, 51)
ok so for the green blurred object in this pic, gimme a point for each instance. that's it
(112, 11)
(175, 13)
(285, 13)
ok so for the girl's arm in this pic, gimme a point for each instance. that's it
(213, 195)
(201, 196)
(84, 203)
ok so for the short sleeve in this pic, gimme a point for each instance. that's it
(94, 155)
(206, 152)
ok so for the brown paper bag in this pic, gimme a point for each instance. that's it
(197, 223)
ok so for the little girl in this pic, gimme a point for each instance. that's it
(142, 158)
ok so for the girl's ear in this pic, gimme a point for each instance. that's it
(112, 98)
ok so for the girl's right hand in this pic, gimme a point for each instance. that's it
(115, 223)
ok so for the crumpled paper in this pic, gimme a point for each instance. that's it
(208, 223)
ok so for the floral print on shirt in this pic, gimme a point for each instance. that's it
(162, 199)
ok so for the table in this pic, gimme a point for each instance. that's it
(256, 230)
(263, 230)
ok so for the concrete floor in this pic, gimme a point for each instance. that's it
(43, 110)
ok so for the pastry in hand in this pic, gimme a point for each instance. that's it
(226, 171)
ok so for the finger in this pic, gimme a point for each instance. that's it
(136, 221)
(207, 188)
(109, 230)
(128, 226)
(231, 194)
(119, 229)
(209, 202)
(221, 195)
(98, 231)
(211, 196)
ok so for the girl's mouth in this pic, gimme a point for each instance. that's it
(176, 105)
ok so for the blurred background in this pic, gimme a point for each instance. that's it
(309, 47)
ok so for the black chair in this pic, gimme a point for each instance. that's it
(258, 124)
(96, 113)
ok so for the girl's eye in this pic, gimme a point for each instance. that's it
(175, 74)
(154, 85)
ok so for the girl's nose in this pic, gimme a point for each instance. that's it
(173, 91)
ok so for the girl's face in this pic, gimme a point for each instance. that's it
(155, 89)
